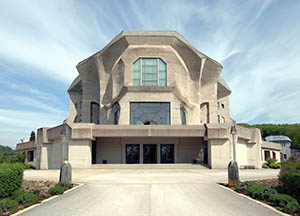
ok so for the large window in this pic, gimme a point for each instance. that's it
(146, 113)
(149, 72)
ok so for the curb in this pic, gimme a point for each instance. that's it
(254, 200)
(46, 200)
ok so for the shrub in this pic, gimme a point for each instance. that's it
(29, 166)
(65, 185)
(275, 165)
(11, 176)
(8, 204)
(272, 163)
(285, 203)
(1, 212)
(289, 179)
(25, 197)
(56, 190)
(256, 191)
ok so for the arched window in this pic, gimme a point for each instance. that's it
(149, 72)
(116, 109)
(182, 116)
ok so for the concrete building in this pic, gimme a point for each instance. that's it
(285, 142)
(148, 97)
(29, 148)
(270, 150)
(295, 153)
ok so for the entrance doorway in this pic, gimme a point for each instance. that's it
(167, 153)
(132, 153)
(150, 153)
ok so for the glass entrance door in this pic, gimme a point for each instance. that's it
(132, 153)
(150, 154)
(167, 153)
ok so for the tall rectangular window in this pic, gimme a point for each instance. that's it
(162, 73)
(149, 72)
(137, 73)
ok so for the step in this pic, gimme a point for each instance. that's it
(149, 166)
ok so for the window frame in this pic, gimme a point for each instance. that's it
(150, 120)
(158, 71)
(183, 115)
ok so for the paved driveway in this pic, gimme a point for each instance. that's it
(150, 192)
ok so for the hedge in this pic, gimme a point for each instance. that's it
(289, 179)
(11, 177)
(282, 202)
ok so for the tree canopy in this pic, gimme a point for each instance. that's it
(32, 136)
(5, 148)
(290, 130)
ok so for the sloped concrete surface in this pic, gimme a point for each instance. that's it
(155, 192)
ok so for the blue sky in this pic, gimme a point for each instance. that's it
(257, 42)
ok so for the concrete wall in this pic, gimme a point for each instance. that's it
(109, 149)
(80, 153)
(190, 149)
(220, 153)
(54, 154)
(242, 152)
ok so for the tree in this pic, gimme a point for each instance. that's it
(5, 148)
(32, 136)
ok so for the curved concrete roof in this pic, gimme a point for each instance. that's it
(74, 83)
(154, 33)
(277, 138)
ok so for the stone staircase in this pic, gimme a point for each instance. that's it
(149, 166)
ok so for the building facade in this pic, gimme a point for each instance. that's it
(148, 97)
(285, 143)
(271, 150)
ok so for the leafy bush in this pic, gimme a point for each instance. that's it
(56, 190)
(285, 203)
(65, 185)
(39, 192)
(1, 212)
(25, 197)
(11, 176)
(29, 166)
(289, 179)
(12, 157)
(275, 165)
(272, 163)
(8, 204)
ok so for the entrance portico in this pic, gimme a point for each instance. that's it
(149, 150)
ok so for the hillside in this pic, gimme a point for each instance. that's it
(5, 148)
(290, 130)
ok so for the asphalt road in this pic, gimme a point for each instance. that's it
(154, 192)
